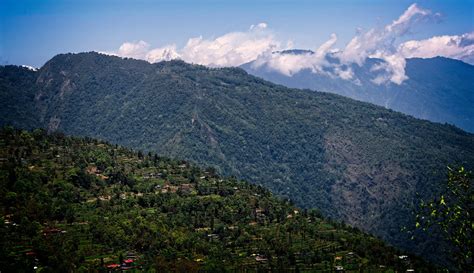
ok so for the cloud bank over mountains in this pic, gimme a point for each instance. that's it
(259, 44)
(459, 47)
(231, 49)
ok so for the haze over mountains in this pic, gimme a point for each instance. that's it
(354, 161)
(436, 89)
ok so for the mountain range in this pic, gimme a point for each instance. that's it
(357, 162)
(437, 89)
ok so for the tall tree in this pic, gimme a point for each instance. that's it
(453, 213)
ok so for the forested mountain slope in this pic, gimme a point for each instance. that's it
(82, 205)
(437, 89)
(354, 161)
(17, 91)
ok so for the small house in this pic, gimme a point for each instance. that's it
(260, 258)
(112, 266)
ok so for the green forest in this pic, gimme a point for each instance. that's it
(79, 204)
(355, 162)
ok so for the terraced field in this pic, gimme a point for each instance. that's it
(84, 204)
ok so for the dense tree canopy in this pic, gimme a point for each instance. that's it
(78, 204)
(354, 161)
(453, 213)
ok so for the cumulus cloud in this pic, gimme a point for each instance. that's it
(412, 15)
(259, 45)
(345, 73)
(459, 47)
(141, 50)
(166, 53)
(289, 64)
(380, 43)
(133, 50)
(393, 68)
(231, 49)
(374, 43)
(29, 67)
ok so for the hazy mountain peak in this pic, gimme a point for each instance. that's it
(294, 51)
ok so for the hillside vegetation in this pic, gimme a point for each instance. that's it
(354, 161)
(437, 89)
(83, 205)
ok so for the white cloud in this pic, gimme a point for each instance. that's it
(231, 49)
(289, 64)
(345, 74)
(165, 53)
(136, 50)
(29, 67)
(326, 47)
(459, 47)
(374, 43)
(259, 26)
(380, 43)
(393, 66)
(412, 15)
(258, 44)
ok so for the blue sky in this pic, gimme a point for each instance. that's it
(32, 32)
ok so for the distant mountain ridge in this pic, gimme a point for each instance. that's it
(294, 51)
(354, 161)
(438, 89)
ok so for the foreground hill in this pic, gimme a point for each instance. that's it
(438, 89)
(75, 204)
(356, 162)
